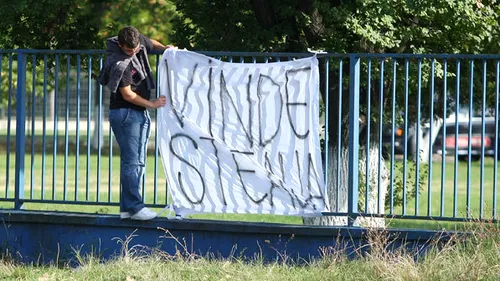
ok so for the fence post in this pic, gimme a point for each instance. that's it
(352, 193)
(20, 128)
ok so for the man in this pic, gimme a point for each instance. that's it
(127, 73)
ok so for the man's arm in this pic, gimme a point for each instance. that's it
(159, 46)
(136, 99)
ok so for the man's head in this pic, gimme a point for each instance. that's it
(128, 39)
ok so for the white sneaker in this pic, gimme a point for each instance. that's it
(144, 214)
(125, 215)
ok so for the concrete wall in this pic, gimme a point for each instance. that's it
(43, 237)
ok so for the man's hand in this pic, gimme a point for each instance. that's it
(159, 102)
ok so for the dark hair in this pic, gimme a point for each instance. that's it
(128, 37)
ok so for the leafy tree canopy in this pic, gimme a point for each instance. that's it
(78, 24)
(152, 18)
(411, 26)
(48, 24)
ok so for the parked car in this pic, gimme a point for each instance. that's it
(459, 140)
(399, 139)
(461, 144)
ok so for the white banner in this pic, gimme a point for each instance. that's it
(241, 137)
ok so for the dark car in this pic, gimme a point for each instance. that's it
(479, 138)
(400, 135)
(480, 141)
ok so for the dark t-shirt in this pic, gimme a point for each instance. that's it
(131, 77)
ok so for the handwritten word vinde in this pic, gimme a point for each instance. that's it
(252, 137)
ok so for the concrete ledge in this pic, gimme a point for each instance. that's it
(47, 237)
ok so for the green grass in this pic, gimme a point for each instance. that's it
(62, 186)
(474, 259)
(442, 192)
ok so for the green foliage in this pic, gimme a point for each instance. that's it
(48, 24)
(401, 192)
(381, 26)
(423, 26)
(218, 25)
(405, 192)
(78, 24)
(152, 18)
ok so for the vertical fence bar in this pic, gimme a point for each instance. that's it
(339, 135)
(56, 93)
(405, 153)
(99, 136)
(44, 126)
(380, 128)
(431, 125)
(110, 163)
(368, 134)
(155, 185)
(443, 147)
(89, 119)
(66, 133)
(495, 163)
(469, 147)
(481, 172)
(7, 152)
(9, 118)
(77, 130)
(455, 164)
(417, 137)
(393, 121)
(143, 178)
(352, 202)
(20, 128)
(327, 119)
(33, 118)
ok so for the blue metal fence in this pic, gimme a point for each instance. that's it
(424, 127)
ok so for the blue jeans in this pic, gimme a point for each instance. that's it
(131, 129)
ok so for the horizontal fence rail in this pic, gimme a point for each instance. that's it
(403, 136)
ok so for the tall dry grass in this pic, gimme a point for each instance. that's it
(474, 256)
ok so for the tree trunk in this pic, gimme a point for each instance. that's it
(97, 139)
(376, 199)
(340, 178)
(424, 139)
